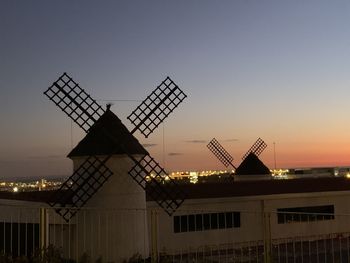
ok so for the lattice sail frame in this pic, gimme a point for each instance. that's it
(218, 150)
(82, 185)
(257, 148)
(72, 99)
(156, 107)
(147, 169)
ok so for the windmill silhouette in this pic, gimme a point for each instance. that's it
(93, 172)
(219, 151)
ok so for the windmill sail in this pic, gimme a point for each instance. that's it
(93, 173)
(218, 150)
(257, 148)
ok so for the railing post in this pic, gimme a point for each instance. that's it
(44, 229)
(268, 245)
(266, 224)
(154, 236)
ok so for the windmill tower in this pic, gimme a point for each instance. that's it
(109, 152)
(251, 167)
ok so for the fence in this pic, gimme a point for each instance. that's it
(135, 235)
(320, 249)
(104, 235)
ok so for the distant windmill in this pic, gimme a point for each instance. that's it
(89, 177)
(218, 150)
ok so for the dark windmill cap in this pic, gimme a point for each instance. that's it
(252, 165)
(106, 136)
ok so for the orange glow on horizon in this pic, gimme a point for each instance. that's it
(288, 158)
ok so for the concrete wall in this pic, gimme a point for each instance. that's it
(253, 225)
(340, 200)
(251, 220)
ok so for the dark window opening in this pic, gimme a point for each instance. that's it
(184, 226)
(199, 222)
(208, 221)
(191, 223)
(214, 220)
(236, 219)
(305, 214)
(229, 220)
(222, 220)
(176, 224)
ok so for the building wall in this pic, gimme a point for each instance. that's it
(251, 218)
(340, 200)
(258, 220)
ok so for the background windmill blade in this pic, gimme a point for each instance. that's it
(81, 186)
(257, 148)
(156, 107)
(74, 101)
(216, 148)
(162, 189)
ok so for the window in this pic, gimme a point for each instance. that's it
(199, 222)
(305, 214)
(229, 220)
(236, 219)
(191, 223)
(214, 221)
(177, 224)
(183, 225)
(221, 220)
(207, 221)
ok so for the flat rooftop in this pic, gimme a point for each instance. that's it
(226, 188)
(264, 187)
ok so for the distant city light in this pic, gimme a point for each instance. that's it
(193, 177)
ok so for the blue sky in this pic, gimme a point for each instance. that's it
(272, 69)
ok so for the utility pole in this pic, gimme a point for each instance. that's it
(274, 153)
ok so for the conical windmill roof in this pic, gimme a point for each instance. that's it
(252, 165)
(106, 136)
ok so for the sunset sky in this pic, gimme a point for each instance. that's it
(278, 70)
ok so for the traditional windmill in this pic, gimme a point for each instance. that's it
(108, 137)
(250, 162)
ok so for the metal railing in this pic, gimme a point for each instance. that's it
(139, 236)
(99, 235)
(320, 249)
